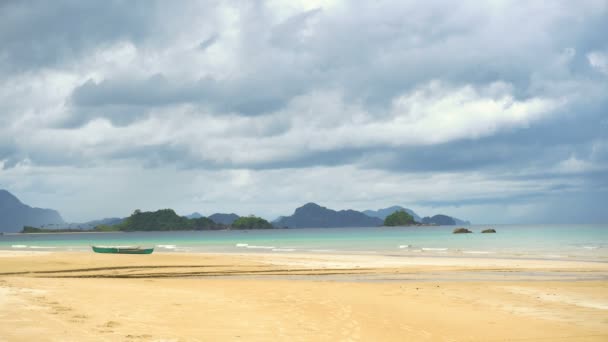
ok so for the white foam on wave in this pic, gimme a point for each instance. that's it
(167, 246)
(18, 246)
(242, 244)
(405, 246)
(477, 252)
(41, 247)
(117, 246)
(591, 247)
(434, 249)
(283, 249)
(259, 247)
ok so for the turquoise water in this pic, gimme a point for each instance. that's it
(588, 242)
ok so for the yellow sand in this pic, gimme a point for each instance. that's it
(200, 297)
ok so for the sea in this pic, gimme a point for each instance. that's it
(563, 241)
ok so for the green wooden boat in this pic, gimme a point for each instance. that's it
(122, 250)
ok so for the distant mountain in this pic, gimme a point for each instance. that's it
(444, 220)
(462, 222)
(383, 213)
(275, 221)
(312, 215)
(227, 219)
(110, 221)
(14, 214)
(194, 215)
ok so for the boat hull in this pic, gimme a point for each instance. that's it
(122, 250)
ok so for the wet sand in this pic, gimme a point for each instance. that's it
(63, 296)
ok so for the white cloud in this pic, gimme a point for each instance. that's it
(574, 165)
(351, 76)
(598, 61)
(313, 123)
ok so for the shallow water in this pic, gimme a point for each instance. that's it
(588, 242)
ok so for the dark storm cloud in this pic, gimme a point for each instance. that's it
(205, 44)
(154, 91)
(247, 96)
(372, 54)
(36, 34)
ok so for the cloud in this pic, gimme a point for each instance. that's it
(244, 93)
(41, 34)
(205, 44)
(598, 61)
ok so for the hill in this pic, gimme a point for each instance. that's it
(14, 215)
(110, 221)
(383, 213)
(194, 215)
(226, 219)
(164, 219)
(444, 220)
(399, 218)
(251, 222)
(312, 215)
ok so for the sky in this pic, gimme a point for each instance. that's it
(493, 111)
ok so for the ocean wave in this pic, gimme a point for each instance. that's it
(259, 247)
(242, 244)
(167, 246)
(434, 249)
(405, 246)
(591, 247)
(18, 246)
(283, 249)
(477, 252)
(321, 250)
(41, 247)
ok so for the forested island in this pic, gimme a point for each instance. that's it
(399, 218)
(310, 215)
(163, 220)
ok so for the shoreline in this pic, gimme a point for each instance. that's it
(192, 251)
(60, 233)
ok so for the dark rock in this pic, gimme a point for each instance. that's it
(461, 231)
(489, 230)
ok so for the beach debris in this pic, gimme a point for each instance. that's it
(489, 230)
(461, 231)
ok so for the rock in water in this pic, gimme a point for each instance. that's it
(489, 230)
(461, 231)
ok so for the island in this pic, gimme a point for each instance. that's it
(399, 218)
(162, 220)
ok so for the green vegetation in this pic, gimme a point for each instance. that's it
(399, 218)
(29, 229)
(162, 220)
(205, 223)
(251, 222)
(106, 228)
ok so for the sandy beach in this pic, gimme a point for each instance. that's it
(76, 296)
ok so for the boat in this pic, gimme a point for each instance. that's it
(122, 250)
